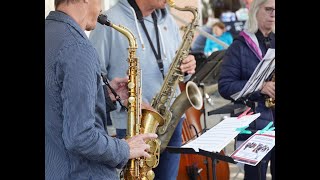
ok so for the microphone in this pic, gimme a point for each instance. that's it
(103, 19)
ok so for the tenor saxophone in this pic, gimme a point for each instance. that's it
(140, 121)
(161, 102)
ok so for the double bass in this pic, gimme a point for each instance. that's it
(194, 166)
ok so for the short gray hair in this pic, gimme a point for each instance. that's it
(58, 2)
(252, 22)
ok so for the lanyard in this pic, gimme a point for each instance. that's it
(154, 17)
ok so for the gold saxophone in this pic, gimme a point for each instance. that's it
(270, 102)
(139, 121)
(161, 102)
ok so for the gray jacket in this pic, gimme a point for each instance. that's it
(112, 49)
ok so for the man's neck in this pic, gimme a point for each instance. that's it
(73, 12)
(144, 7)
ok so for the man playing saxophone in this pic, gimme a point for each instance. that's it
(158, 39)
(77, 145)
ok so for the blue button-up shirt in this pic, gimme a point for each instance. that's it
(76, 143)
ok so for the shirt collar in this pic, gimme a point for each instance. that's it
(63, 17)
(261, 38)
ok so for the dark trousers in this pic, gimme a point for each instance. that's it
(169, 162)
(253, 172)
(121, 133)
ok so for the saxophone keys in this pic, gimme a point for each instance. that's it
(131, 85)
(131, 99)
(151, 161)
(150, 175)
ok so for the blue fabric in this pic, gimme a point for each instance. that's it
(169, 162)
(212, 46)
(237, 66)
(77, 146)
(121, 133)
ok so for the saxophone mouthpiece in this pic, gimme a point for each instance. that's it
(103, 19)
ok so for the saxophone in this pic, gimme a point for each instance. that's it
(139, 121)
(161, 102)
(270, 102)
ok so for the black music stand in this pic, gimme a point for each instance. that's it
(214, 156)
(232, 108)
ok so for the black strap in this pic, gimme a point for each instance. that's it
(267, 42)
(155, 22)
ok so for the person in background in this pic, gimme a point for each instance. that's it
(200, 41)
(218, 31)
(77, 145)
(242, 12)
(247, 3)
(239, 63)
(158, 39)
(227, 15)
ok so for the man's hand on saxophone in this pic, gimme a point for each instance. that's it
(120, 86)
(144, 105)
(138, 147)
(188, 65)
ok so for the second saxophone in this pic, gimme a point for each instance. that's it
(161, 102)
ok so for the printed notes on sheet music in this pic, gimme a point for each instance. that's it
(219, 136)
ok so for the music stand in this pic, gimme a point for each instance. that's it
(234, 109)
(214, 156)
(207, 71)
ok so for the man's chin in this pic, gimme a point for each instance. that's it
(163, 6)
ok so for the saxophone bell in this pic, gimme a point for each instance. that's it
(194, 95)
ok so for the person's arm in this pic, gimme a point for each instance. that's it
(83, 133)
(230, 81)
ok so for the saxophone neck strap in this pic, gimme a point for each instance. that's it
(155, 22)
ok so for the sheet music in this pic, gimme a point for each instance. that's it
(254, 149)
(260, 74)
(219, 136)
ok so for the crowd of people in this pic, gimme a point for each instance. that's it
(77, 102)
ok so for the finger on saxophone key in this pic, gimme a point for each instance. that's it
(137, 145)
